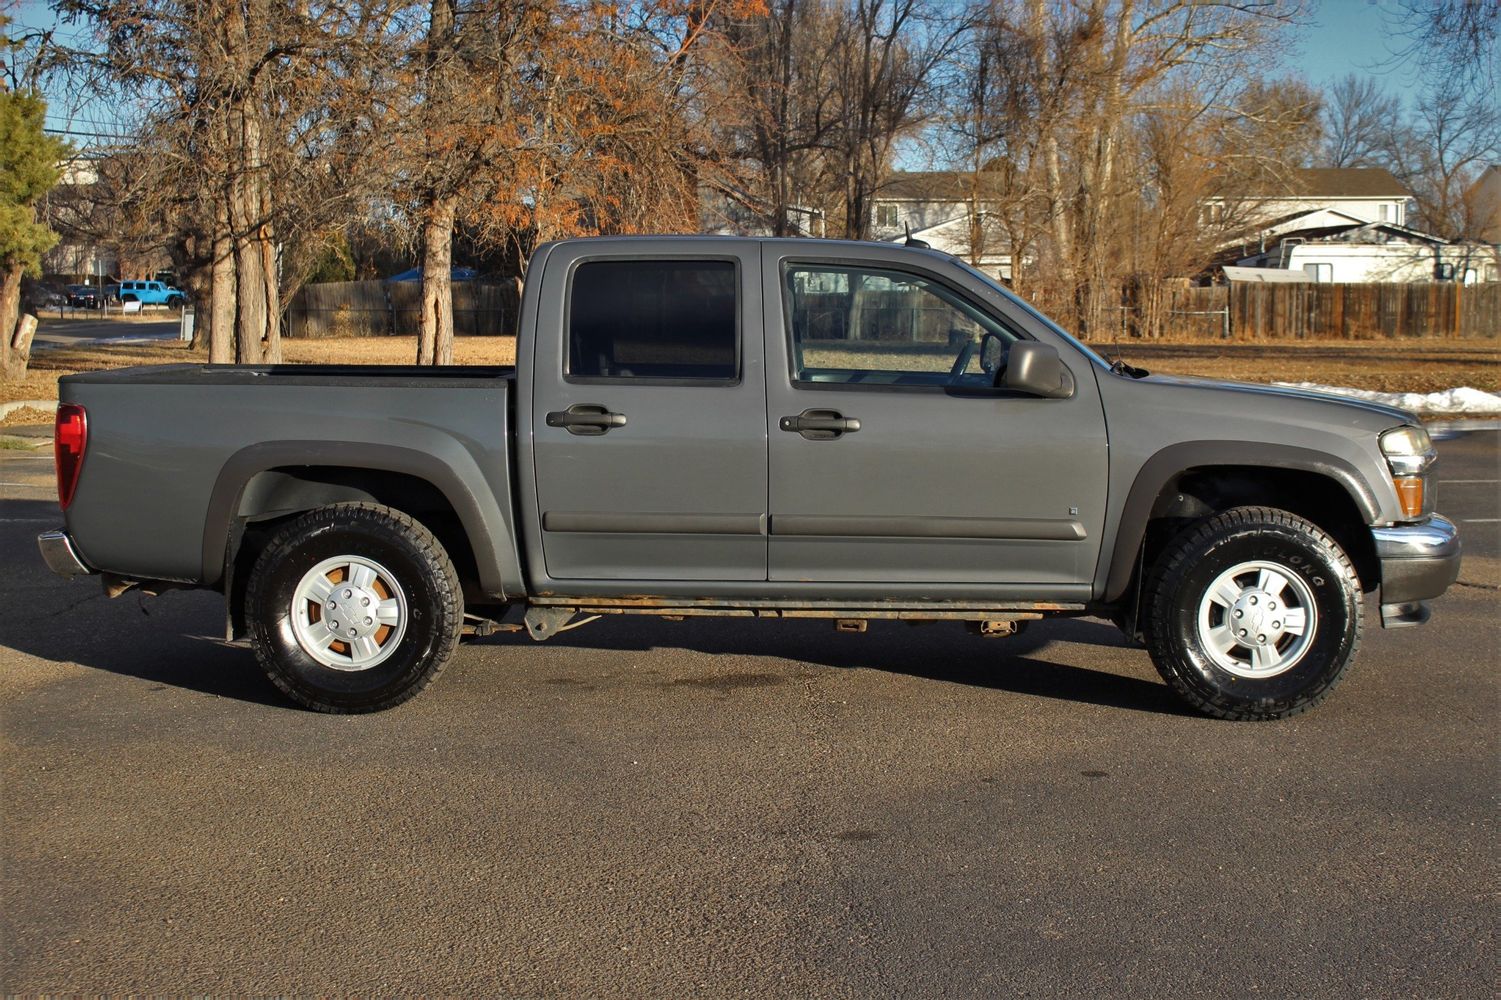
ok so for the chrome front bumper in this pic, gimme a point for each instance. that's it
(1418, 563)
(62, 558)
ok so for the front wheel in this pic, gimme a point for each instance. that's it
(354, 607)
(1254, 613)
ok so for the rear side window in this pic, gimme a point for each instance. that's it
(670, 320)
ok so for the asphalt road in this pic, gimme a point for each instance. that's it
(54, 332)
(644, 808)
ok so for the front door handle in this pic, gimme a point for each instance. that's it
(585, 419)
(820, 425)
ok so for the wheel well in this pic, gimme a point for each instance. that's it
(1207, 490)
(274, 496)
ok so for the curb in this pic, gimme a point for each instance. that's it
(6, 409)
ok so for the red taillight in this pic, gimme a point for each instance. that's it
(71, 438)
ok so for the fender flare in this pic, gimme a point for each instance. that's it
(484, 522)
(1158, 470)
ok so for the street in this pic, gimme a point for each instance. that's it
(717, 808)
(83, 327)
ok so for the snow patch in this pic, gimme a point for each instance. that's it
(1448, 402)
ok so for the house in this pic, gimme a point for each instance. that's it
(66, 209)
(1344, 225)
(1484, 197)
(940, 208)
(1367, 194)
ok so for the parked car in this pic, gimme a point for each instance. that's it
(151, 293)
(84, 296)
(756, 428)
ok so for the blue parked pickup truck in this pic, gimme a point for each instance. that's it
(756, 428)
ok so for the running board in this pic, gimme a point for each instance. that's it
(547, 617)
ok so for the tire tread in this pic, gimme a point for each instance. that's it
(284, 543)
(1181, 554)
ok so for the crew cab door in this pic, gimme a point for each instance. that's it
(649, 412)
(894, 462)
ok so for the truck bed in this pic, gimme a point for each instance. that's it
(173, 447)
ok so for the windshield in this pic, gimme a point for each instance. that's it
(1032, 311)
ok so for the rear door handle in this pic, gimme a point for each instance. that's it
(820, 425)
(585, 419)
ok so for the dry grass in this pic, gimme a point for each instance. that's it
(1393, 365)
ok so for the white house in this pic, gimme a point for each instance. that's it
(1368, 194)
(935, 206)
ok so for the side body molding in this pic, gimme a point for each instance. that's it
(1158, 470)
(486, 516)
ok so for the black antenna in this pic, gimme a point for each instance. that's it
(907, 227)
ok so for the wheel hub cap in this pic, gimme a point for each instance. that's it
(1257, 619)
(349, 613)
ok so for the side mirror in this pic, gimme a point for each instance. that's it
(1036, 369)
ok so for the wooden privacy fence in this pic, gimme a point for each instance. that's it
(1310, 311)
(381, 309)
(1239, 311)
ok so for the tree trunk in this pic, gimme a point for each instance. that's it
(10, 310)
(435, 336)
(18, 349)
(221, 343)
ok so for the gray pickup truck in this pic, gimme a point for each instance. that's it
(756, 428)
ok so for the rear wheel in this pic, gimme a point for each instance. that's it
(353, 608)
(1254, 613)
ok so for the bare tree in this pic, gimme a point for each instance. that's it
(252, 112)
(1359, 118)
(1439, 155)
(886, 59)
(1452, 42)
(771, 100)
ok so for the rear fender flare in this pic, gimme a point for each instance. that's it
(485, 524)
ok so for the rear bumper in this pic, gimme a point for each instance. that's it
(1418, 563)
(62, 558)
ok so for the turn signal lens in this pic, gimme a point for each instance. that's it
(70, 439)
(1410, 494)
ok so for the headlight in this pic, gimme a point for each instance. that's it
(1409, 451)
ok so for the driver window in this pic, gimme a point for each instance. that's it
(870, 326)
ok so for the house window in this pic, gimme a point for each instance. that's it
(1384, 210)
(886, 216)
(1320, 272)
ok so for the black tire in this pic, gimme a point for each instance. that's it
(127, 298)
(421, 569)
(1176, 597)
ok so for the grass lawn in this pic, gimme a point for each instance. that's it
(1388, 365)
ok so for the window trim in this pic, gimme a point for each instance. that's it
(618, 380)
(788, 263)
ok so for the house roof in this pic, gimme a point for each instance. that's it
(1349, 182)
(1366, 233)
(1332, 182)
(926, 185)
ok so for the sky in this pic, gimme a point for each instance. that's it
(1343, 36)
(1351, 36)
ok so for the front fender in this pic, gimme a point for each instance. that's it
(1114, 576)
